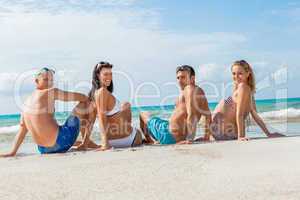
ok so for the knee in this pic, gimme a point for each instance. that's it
(144, 117)
(126, 106)
(80, 109)
(82, 105)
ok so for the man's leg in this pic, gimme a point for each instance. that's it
(144, 119)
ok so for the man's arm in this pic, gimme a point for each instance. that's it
(205, 111)
(192, 118)
(18, 139)
(69, 96)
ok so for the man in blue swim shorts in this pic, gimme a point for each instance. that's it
(38, 117)
(189, 107)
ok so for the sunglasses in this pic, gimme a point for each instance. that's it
(183, 68)
(103, 64)
(44, 70)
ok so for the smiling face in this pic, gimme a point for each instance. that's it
(105, 76)
(184, 79)
(44, 80)
(239, 74)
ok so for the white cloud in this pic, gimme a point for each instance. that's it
(12, 82)
(78, 40)
(292, 12)
(7, 81)
(208, 72)
(132, 39)
(58, 6)
(5, 10)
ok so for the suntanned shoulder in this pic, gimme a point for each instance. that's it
(194, 89)
(200, 90)
(189, 88)
(244, 87)
(54, 90)
(101, 91)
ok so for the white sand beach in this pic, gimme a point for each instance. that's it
(258, 169)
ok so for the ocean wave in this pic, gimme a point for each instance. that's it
(289, 114)
(9, 129)
(285, 114)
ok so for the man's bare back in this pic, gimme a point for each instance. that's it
(38, 116)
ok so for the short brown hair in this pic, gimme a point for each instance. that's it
(186, 68)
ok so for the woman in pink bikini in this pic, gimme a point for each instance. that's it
(229, 117)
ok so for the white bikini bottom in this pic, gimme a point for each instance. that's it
(124, 142)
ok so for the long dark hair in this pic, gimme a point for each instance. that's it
(96, 83)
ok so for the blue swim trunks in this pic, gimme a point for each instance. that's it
(66, 137)
(159, 130)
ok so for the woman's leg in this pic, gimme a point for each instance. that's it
(144, 118)
(138, 140)
(126, 110)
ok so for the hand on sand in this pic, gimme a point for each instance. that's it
(205, 139)
(274, 135)
(6, 155)
(104, 148)
(185, 142)
(148, 140)
(81, 147)
(243, 139)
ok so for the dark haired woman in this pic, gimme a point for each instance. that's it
(114, 117)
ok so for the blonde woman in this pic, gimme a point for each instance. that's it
(229, 117)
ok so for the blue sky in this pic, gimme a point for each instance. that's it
(146, 40)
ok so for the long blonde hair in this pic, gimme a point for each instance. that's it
(251, 79)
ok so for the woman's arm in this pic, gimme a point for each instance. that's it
(101, 98)
(261, 123)
(243, 99)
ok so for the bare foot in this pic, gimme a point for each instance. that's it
(81, 147)
(201, 139)
(148, 140)
(243, 139)
(102, 148)
(184, 142)
(93, 145)
(274, 135)
(77, 143)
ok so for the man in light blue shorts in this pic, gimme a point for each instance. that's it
(159, 131)
(189, 107)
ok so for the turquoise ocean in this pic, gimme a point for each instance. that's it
(281, 115)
